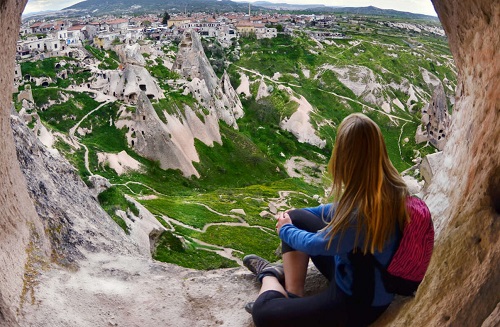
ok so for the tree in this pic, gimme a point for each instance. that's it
(166, 17)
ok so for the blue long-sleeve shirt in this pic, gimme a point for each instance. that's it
(316, 244)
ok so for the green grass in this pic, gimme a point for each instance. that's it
(112, 200)
(188, 254)
(189, 213)
(43, 68)
(63, 116)
(109, 59)
(238, 162)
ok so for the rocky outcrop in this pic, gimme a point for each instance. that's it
(171, 142)
(26, 94)
(430, 165)
(362, 81)
(299, 123)
(130, 54)
(462, 286)
(216, 95)
(127, 84)
(20, 228)
(435, 120)
(71, 216)
(129, 80)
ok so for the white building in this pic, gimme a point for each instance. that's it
(263, 32)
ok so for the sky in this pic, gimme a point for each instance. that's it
(43, 5)
(415, 6)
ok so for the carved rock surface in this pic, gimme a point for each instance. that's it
(462, 286)
(171, 142)
(435, 120)
(216, 95)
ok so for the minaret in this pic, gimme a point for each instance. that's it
(249, 19)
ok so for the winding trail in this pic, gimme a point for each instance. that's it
(75, 139)
(367, 106)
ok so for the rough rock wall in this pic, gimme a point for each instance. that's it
(435, 120)
(72, 218)
(19, 227)
(463, 283)
(216, 95)
(151, 138)
(127, 83)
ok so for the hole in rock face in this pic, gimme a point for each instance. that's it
(494, 190)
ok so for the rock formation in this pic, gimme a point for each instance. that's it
(216, 95)
(170, 143)
(126, 83)
(435, 120)
(299, 123)
(463, 283)
(83, 270)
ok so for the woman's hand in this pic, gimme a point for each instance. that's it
(282, 219)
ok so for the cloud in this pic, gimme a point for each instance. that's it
(42, 5)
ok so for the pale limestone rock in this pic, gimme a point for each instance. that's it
(126, 84)
(120, 162)
(430, 165)
(170, 142)
(262, 91)
(244, 87)
(435, 120)
(130, 54)
(25, 94)
(362, 81)
(98, 184)
(216, 95)
(299, 123)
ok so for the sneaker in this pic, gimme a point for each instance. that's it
(275, 270)
(255, 264)
(249, 307)
(261, 267)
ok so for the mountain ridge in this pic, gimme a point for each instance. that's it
(107, 6)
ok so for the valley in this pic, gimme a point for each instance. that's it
(213, 140)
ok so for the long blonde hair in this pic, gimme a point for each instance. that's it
(366, 185)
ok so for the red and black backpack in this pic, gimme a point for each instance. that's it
(407, 267)
(409, 263)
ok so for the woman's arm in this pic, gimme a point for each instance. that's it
(313, 243)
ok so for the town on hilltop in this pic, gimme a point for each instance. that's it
(57, 37)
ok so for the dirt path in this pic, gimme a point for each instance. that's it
(75, 139)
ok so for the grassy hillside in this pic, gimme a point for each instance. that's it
(213, 220)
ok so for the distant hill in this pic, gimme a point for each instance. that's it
(96, 7)
(285, 6)
(124, 6)
(372, 11)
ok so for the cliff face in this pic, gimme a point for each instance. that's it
(20, 228)
(126, 84)
(435, 120)
(171, 142)
(216, 95)
(463, 283)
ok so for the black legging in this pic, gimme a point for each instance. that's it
(330, 308)
(308, 221)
